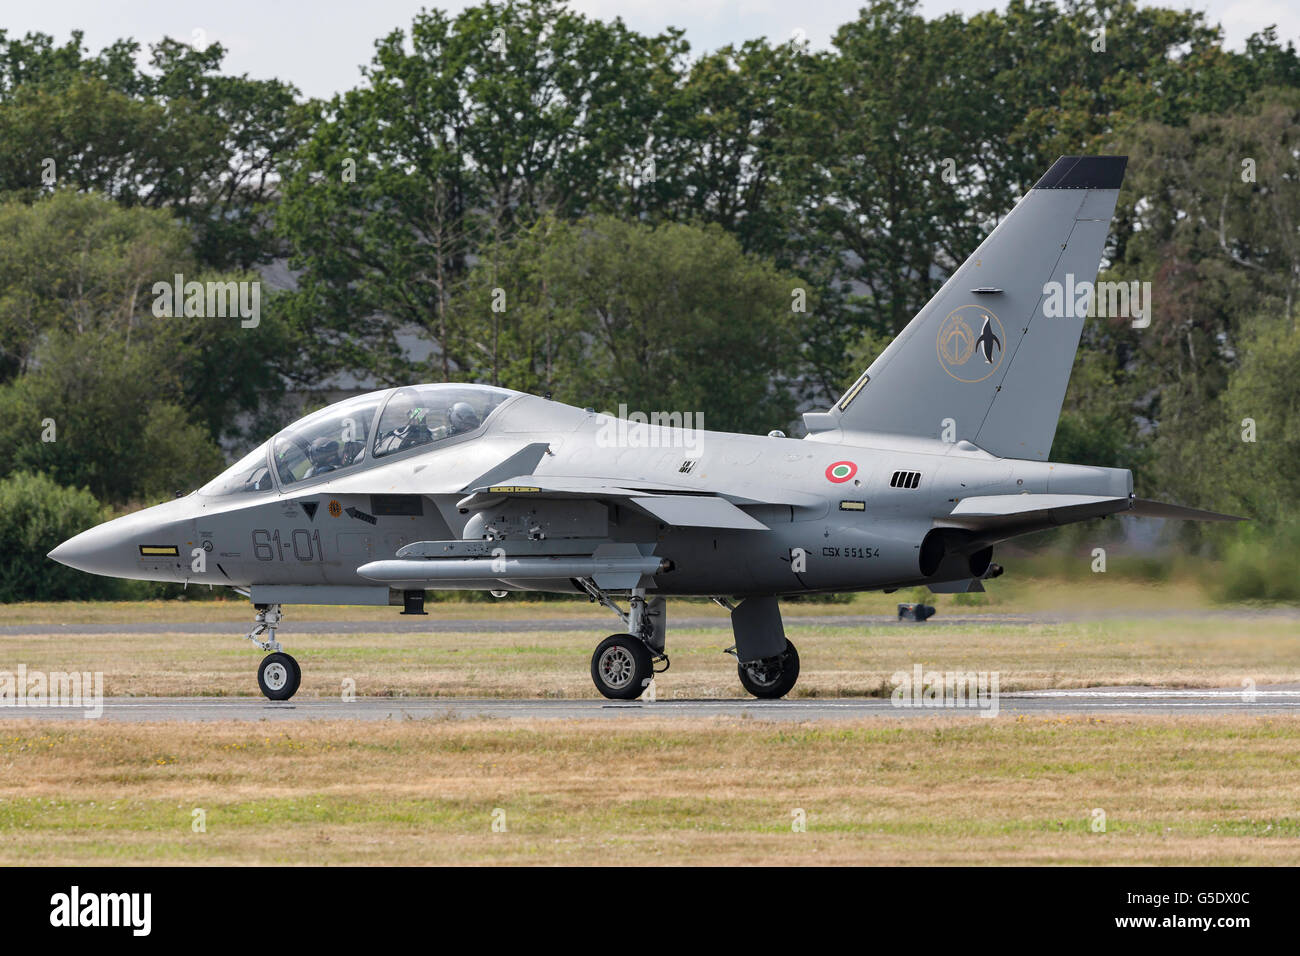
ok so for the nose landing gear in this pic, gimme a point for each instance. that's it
(623, 665)
(279, 675)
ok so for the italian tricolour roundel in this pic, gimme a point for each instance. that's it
(841, 471)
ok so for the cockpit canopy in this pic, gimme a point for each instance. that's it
(245, 476)
(424, 414)
(328, 440)
(361, 431)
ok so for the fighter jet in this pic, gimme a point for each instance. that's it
(934, 456)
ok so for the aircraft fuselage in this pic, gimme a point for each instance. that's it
(837, 517)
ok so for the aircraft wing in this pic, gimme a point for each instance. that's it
(668, 505)
(696, 511)
(1008, 515)
(534, 562)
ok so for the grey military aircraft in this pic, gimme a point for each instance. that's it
(935, 455)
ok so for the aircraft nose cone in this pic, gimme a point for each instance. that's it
(114, 548)
(63, 553)
(101, 550)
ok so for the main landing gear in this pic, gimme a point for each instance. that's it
(623, 665)
(279, 674)
(768, 663)
(771, 677)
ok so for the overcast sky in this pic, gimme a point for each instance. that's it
(319, 44)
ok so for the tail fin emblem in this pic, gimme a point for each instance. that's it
(987, 340)
(957, 343)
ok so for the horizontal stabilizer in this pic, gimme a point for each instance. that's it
(1020, 514)
(998, 511)
(1145, 508)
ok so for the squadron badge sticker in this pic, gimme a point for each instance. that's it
(970, 343)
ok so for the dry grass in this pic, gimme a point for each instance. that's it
(1202, 789)
(1219, 790)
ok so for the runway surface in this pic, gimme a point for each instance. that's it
(1126, 700)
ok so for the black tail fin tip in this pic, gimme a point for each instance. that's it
(1084, 172)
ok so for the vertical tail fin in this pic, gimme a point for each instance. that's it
(984, 352)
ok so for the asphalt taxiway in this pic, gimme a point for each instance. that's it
(1124, 700)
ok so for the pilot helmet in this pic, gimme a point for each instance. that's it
(323, 451)
(462, 417)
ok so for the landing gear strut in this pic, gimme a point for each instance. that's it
(279, 674)
(623, 665)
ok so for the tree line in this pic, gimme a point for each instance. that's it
(560, 204)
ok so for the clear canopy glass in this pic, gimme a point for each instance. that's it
(249, 474)
(326, 441)
(345, 435)
(425, 414)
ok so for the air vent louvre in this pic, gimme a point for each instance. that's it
(905, 479)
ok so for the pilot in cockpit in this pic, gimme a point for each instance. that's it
(422, 423)
(324, 455)
(461, 418)
(413, 431)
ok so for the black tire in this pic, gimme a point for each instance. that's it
(279, 676)
(772, 677)
(621, 667)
